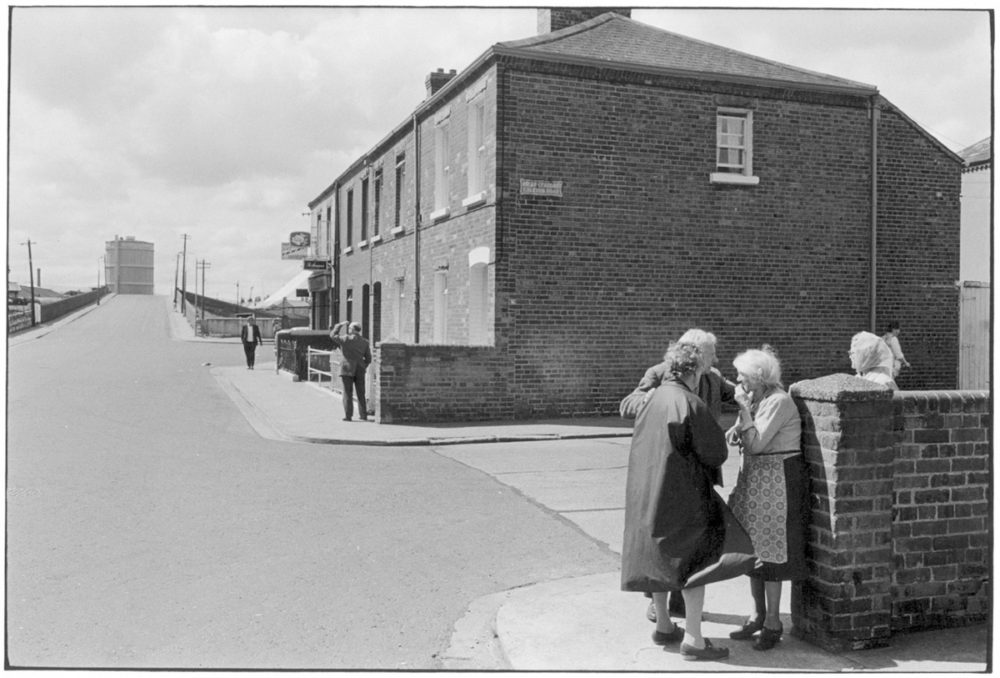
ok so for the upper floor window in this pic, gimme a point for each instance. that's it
(349, 221)
(397, 222)
(377, 202)
(364, 210)
(477, 148)
(442, 166)
(734, 147)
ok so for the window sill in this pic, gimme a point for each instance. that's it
(473, 200)
(727, 178)
(398, 231)
(374, 239)
(346, 250)
(363, 244)
(438, 215)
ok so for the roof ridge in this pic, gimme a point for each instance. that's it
(553, 36)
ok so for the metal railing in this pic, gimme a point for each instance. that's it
(317, 370)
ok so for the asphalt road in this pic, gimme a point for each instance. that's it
(148, 526)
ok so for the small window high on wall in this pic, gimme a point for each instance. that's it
(733, 147)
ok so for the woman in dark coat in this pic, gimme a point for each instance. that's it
(679, 534)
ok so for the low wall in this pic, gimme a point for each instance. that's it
(425, 383)
(899, 539)
(50, 311)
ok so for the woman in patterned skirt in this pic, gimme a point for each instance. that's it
(771, 495)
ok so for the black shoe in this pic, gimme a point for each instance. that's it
(767, 639)
(651, 612)
(709, 653)
(662, 638)
(750, 628)
(347, 418)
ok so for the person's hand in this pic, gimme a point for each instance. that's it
(742, 397)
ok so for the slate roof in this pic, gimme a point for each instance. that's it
(979, 153)
(614, 39)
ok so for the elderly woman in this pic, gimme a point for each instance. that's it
(872, 359)
(679, 534)
(771, 494)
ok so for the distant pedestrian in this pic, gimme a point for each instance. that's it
(357, 357)
(250, 336)
(872, 359)
(771, 497)
(891, 337)
(679, 534)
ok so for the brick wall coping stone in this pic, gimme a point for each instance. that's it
(840, 388)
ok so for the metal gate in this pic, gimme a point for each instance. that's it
(974, 336)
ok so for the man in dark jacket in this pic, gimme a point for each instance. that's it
(250, 336)
(357, 358)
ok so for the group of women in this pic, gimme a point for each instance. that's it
(679, 533)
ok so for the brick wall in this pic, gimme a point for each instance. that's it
(941, 510)
(592, 285)
(439, 383)
(899, 538)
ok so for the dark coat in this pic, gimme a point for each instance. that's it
(679, 533)
(244, 332)
(357, 354)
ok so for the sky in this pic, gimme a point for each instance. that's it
(223, 123)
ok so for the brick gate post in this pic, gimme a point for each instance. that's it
(848, 442)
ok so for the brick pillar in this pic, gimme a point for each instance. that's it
(848, 443)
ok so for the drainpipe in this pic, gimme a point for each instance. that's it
(873, 113)
(334, 311)
(416, 230)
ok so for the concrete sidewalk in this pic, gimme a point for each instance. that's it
(580, 624)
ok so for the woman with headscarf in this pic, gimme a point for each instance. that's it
(872, 359)
(679, 534)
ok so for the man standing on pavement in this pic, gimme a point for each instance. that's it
(250, 336)
(357, 358)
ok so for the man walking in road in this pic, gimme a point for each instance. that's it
(357, 358)
(250, 336)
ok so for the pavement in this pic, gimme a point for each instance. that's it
(579, 624)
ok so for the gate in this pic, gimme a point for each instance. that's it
(974, 336)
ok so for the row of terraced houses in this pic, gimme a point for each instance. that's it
(529, 238)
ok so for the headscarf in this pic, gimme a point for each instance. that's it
(872, 354)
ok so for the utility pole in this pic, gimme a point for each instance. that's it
(31, 276)
(184, 275)
(237, 292)
(203, 265)
(177, 265)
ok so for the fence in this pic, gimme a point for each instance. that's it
(974, 336)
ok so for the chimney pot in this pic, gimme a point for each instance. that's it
(557, 18)
(437, 79)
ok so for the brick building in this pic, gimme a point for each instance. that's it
(530, 238)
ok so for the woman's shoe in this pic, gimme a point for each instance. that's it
(768, 638)
(748, 630)
(709, 653)
(675, 636)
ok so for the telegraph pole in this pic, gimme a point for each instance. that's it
(203, 265)
(184, 275)
(177, 266)
(31, 276)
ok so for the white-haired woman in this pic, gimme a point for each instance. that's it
(679, 534)
(771, 495)
(872, 359)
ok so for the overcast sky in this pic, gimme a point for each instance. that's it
(224, 122)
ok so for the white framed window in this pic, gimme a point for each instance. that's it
(477, 151)
(479, 260)
(397, 317)
(442, 166)
(734, 147)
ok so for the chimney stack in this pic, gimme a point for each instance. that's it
(437, 80)
(556, 18)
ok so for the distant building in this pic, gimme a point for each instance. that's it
(977, 178)
(539, 228)
(128, 265)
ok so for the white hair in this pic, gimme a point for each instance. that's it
(760, 365)
(697, 337)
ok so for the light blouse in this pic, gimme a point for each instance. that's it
(777, 425)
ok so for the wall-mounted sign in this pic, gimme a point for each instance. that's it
(540, 187)
(290, 251)
(315, 264)
(299, 292)
(299, 238)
